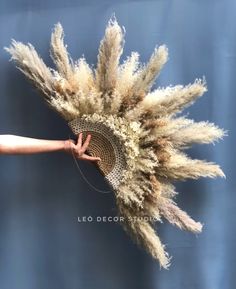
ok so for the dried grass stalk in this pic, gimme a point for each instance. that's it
(60, 54)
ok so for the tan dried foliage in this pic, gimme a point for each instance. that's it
(124, 90)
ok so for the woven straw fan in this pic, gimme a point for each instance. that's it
(137, 132)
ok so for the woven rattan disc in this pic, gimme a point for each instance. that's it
(103, 144)
(100, 146)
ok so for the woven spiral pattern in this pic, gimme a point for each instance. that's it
(103, 144)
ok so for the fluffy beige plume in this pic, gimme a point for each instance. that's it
(180, 167)
(177, 217)
(167, 188)
(204, 133)
(147, 237)
(127, 75)
(181, 98)
(83, 76)
(143, 233)
(144, 79)
(64, 108)
(166, 208)
(110, 50)
(145, 129)
(169, 101)
(60, 54)
(159, 204)
(86, 95)
(147, 76)
(179, 131)
(29, 62)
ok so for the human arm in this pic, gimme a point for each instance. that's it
(12, 144)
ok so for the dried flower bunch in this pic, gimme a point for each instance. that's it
(136, 128)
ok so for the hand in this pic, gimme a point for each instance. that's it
(78, 150)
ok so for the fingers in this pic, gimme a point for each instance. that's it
(90, 158)
(79, 142)
(80, 149)
(86, 143)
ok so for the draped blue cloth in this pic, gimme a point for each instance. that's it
(42, 244)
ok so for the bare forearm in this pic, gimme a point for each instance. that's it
(12, 144)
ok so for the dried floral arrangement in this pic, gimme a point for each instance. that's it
(137, 132)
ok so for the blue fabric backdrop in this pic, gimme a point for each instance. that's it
(42, 246)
